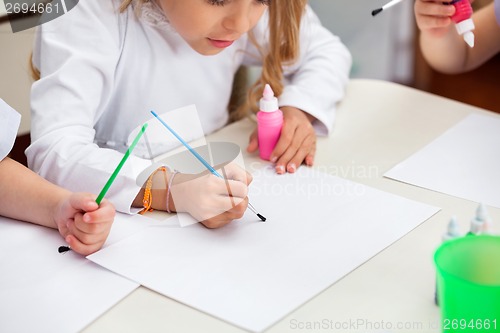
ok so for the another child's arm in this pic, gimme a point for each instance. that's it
(443, 48)
(26, 196)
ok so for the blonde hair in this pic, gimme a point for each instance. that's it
(35, 72)
(284, 31)
(284, 41)
(126, 3)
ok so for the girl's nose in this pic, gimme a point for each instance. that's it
(238, 20)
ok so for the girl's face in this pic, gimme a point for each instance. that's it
(209, 26)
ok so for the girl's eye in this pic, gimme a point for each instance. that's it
(217, 2)
(223, 2)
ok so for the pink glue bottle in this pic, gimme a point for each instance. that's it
(269, 123)
(463, 20)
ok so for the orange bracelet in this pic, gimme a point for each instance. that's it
(147, 201)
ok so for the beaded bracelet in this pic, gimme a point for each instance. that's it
(169, 189)
(147, 201)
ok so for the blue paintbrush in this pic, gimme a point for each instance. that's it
(201, 159)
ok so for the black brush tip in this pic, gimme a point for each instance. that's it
(63, 249)
(376, 11)
(263, 219)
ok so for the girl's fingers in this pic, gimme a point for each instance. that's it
(87, 233)
(104, 214)
(225, 218)
(234, 172)
(307, 147)
(296, 153)
(310, 158)
(432, 15)
(286, 138)
(253, 143)
(83, 201)
(85, 249)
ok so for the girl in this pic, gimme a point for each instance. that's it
(26, 196)
(444, 49)
(106, 63)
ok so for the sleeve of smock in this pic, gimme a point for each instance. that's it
(77, 54)
(316, 82)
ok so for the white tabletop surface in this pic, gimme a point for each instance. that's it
(378, 125)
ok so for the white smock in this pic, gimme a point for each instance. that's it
(103, 71)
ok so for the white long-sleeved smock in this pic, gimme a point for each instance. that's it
(102, 71)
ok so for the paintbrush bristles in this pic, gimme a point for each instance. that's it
(387, 5)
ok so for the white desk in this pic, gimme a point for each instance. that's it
(378, 125)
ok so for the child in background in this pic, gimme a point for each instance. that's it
(27, 197)
(444, 49)
(106, 63)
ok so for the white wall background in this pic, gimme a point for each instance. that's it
(15, 79)
(382, 46)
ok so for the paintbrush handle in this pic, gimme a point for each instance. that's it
(194, 152)
(120, 165)
(201, 159)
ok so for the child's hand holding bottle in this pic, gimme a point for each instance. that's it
(283, 136)
(434, 17)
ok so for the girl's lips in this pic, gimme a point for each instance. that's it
(221, 44)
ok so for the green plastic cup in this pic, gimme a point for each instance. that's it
(468, 284)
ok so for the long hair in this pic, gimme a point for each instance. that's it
(34, 72)
(126, 3)
(284, 42)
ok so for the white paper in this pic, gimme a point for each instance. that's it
(42, 290)
(463, 162)
(250, 273)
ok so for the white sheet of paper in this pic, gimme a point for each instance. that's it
(463, 162)
(251, 273)
(42, 290)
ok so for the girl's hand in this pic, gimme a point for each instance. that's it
(84, 224)
(433, 17)
(211, 200)
(297, 143)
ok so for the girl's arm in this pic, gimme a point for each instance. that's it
(26, 196)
